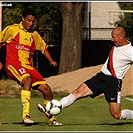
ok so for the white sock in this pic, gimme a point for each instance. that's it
(126, 114)
(68, 100)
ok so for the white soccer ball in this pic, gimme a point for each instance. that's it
(54, 107)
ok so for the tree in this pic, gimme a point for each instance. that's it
(48, 20)
(70, 56)
(47, 14)
(126, 19)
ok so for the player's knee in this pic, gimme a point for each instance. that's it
(116, 115)
(82, 91)
(27, 83)
(46, 91)
(27, 80)
(45, 88)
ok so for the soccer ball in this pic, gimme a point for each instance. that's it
(53, 107)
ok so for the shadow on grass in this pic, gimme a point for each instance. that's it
(92, 124)
(27, 124)
(119, 123)
(72, 124)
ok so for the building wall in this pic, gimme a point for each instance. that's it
(101, 17)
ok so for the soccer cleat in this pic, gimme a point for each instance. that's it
(53, 121)
(40, 108)
(27, 120)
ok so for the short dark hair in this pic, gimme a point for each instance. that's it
(28, 11)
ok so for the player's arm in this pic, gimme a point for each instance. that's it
(41, 45)
(6, 35)
(3, 36)
(48, 56)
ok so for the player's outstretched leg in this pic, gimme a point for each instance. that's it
(52, 119)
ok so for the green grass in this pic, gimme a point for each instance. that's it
(84, 115)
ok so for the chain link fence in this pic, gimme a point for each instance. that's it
(100, 27)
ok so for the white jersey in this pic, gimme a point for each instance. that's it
(119, 61)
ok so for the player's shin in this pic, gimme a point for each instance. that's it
(67, 101)
(25, 97)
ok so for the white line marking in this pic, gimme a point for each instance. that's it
(130, 99)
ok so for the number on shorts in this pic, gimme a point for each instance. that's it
(22, 70)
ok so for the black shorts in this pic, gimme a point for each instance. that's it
(107, 85)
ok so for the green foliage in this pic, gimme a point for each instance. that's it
(126, 20)
(48, 14)
(48, 18)
(11, 16)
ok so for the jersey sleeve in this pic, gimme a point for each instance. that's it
(40, 43)
(5, 35)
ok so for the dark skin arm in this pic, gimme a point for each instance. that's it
(48, 56)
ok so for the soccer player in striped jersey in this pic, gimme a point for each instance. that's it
(109, 80)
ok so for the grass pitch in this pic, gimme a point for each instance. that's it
(84, 115)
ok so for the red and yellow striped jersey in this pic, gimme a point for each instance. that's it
(21, 44)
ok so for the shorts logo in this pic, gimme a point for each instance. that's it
(112, 98)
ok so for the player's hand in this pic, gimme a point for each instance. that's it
(53, 63)
(1, 66)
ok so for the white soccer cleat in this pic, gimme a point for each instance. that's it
(53, 121)
(27, 120)
(40, 108)
(56, 123)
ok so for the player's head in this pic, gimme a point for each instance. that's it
(28, 18)
(118, 36)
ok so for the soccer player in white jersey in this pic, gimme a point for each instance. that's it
(109, 80)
